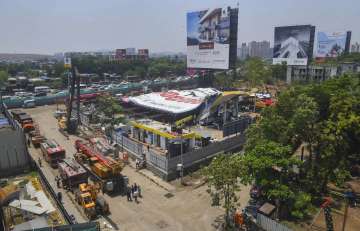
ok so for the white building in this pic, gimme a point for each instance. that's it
(319, 73)
(355, 48)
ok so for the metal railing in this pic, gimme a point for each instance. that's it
(168, 165)
(269, 224)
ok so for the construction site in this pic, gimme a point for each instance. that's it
(90, 166)
(27, 198)
(81, 167)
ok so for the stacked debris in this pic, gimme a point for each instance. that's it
(26, 205)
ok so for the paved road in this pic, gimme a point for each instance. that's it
(186, 208)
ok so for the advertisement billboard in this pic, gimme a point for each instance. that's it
(208, 38)
(293, 44)
(331, 45)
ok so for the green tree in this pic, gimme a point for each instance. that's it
(304, 121)
(154, 72)
(326, 118)
(256, 71)
(3, 77)
(278, 71)
(109, 106)
(223, 81)
(271, 165)
(223, 179)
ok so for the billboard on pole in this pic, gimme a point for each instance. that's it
(293, 44)
(331, 45)
(209, 38)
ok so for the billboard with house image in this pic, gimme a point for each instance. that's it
(208, 38)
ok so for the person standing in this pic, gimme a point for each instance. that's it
(135, 196)
(39, 161)
(57, 178)
(59, 195)
(128, 194)
(132, 190)
(139, 190)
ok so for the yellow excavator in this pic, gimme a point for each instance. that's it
(93, 204)
(62, 122)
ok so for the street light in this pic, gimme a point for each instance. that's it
(180, 166)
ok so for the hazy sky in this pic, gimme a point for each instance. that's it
(49, 26)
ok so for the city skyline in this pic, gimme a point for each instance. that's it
(46, 27)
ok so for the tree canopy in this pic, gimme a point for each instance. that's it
(320, 119)
(323, 117)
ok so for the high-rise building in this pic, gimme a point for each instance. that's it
(143, 54)
(355, 48)
(259, 49)
(120, 54)
(243, 51)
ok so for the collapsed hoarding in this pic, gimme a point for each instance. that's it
(175, 102)
(293, 44)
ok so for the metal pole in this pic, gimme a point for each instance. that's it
(122, 142)
(182, 162)
(77, 77)
(345, 215)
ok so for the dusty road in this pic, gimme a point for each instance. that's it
(187, 208)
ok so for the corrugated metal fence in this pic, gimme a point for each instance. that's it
(89, 226)
(14, 157)
(268, 224)
(168, 166)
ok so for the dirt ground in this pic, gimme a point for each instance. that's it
(352, 221)
(185, 208)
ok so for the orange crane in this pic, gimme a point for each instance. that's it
(105, 168)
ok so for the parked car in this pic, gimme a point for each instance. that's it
(29, 103)
(40, 94)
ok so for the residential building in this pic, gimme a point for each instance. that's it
(355, 48)
(319, 73)
(120, 54)
(243, 51)
(259, 49)
(143, 54)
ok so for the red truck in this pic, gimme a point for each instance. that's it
(52, 152)
(72, 173)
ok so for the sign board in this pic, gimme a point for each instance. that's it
(331, 45)
(208, 38)
(293, 44)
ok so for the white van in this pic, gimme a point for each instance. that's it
(42, 89)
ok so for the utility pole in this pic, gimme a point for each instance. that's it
(182, 161)
(77, 76)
